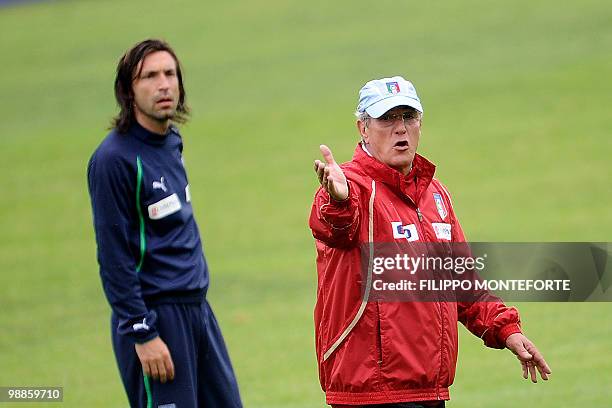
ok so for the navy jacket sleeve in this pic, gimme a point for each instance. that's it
(112, 188)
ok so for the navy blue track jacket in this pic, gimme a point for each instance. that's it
(149, 247)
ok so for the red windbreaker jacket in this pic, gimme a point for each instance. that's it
(384, 352)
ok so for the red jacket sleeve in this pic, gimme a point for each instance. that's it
(488, 318)
(335, 223)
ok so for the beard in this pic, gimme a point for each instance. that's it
(163, 116)
(158, 115)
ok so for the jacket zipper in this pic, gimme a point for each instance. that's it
(420, 216)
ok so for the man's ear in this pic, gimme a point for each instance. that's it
(361, 128)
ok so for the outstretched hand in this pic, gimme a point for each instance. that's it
(529, 356)
(330, 175)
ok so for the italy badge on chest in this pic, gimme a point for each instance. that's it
(440, 205)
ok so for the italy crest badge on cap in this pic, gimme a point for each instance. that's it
(393, 87)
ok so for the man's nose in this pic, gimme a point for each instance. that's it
(164, 82)
(399, 126)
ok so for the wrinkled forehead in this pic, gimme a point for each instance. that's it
(155, 61)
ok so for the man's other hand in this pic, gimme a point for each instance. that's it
(529, 356)
(156, 360)
(330, 175)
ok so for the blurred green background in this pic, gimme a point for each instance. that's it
(517, 118)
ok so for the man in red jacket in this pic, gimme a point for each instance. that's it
(392, 354)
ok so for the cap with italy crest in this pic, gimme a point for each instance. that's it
(379, 95)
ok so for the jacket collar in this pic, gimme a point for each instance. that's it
(149, 137)
(411, 186)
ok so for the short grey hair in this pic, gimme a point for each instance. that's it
(363, 117)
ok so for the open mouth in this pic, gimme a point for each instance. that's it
(164, 100)
(401, 145)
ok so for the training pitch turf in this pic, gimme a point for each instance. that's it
(517, 118)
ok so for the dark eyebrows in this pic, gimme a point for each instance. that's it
(146, 74)
(151, 73)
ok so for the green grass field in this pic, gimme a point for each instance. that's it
(517, 117)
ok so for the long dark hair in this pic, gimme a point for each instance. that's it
(124, 94)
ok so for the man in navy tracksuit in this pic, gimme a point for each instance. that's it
(168, 346)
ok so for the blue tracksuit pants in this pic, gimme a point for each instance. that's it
(203, 372)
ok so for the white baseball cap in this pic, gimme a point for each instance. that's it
(379, 95)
